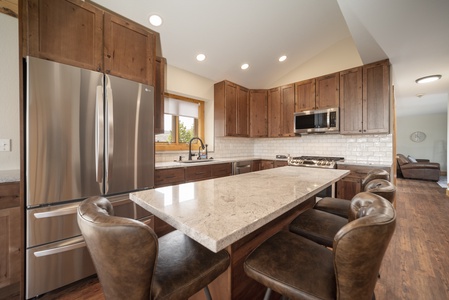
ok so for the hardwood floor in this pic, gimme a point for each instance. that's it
(415, 266)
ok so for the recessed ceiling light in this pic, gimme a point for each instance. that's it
(244, 66)
(155, 20)
(428, 79)
(200, 57)
(282, 58)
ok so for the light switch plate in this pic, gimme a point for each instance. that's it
(5, 144)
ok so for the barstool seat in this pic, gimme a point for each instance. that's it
(321, 227)
(299, 268)
(318, 226)
(381, 186)
(132, 263)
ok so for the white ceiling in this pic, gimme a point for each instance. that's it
(411, 33)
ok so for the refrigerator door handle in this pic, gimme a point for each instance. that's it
(60, 249)
(109, 133)
(99, 137)
(70, 210)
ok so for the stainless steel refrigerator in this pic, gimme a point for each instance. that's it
(87, 133)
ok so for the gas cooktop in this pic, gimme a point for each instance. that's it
(315, 161)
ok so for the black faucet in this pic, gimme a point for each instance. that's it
(190, 146)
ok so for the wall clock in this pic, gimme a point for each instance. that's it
(418, 136)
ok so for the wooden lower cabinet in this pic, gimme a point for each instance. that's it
(266, 164)
(351, 185)
(170, 176)
(221, 170)
(10, 250)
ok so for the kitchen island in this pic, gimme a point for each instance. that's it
(237, 213)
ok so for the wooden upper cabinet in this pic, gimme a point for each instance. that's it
(376, 97)
(258, 108)
(242, 111)
(287, 109)
(351, 102)
(66, 31)
(327, 91)
(305, 95)
(159, 91)
(231, 106)
(129, 50)
(365, 99)
(274, 112)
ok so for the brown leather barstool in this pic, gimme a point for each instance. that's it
(132, 263)
(320, 226)
(299, 268)
(340, 207)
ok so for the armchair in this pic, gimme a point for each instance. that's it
(421, 169)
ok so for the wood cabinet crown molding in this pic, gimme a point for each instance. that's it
(10, 8)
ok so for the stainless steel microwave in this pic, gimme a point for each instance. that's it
(317, 121)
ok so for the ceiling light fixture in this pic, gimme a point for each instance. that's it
(428, 79)
(282, 58)
(244, 66)
(200, 57)
(155, 20)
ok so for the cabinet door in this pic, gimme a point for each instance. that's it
(159, 90)
(242, 117)
(376, 97)
(287, 109)
(129, 50)
(274, 112)
(327, 91)
(221, 170)
(10, 239)
(258, 107)
(230, 109)
(305, 95)
(164, 177)
(266, 164)
(198, 173)
(348, 187)
(351, 101)
(65, 31)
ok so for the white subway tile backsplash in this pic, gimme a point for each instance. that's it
(361, 149)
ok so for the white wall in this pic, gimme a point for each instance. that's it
(434, 147)
(9, 91)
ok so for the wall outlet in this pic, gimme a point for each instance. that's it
(5, 144)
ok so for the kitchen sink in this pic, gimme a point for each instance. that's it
(194, 160)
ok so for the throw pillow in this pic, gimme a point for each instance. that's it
(412, 159)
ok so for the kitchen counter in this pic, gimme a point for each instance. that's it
(238, 213)
(355, 163)
(219, 212)
(176, 164)
(9, 176)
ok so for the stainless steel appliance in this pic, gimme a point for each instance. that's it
(240, 167)
(317, 121)
(317, 162)
(87, 134)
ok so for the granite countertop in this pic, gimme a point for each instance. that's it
(219, 212)
(176, 164)
(9, 176)
(355, 163)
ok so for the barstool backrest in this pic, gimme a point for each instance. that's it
(360, 245)
(124, 251)
(375, 174)
(382, 188)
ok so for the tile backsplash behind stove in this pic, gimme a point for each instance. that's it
(366, 149)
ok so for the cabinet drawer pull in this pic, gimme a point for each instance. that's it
(170, 176)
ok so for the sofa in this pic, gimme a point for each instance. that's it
(423, 169)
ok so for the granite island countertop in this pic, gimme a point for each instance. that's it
(219, 212)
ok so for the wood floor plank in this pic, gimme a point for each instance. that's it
(415, 266)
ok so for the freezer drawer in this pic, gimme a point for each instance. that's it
(54, 265)
(54, 223)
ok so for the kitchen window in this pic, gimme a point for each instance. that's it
(183, 119)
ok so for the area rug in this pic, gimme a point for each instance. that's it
(443, 182)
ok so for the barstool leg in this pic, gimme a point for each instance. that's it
(267, 294)
(207, 293)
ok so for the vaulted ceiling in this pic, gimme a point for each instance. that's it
(411, 33)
